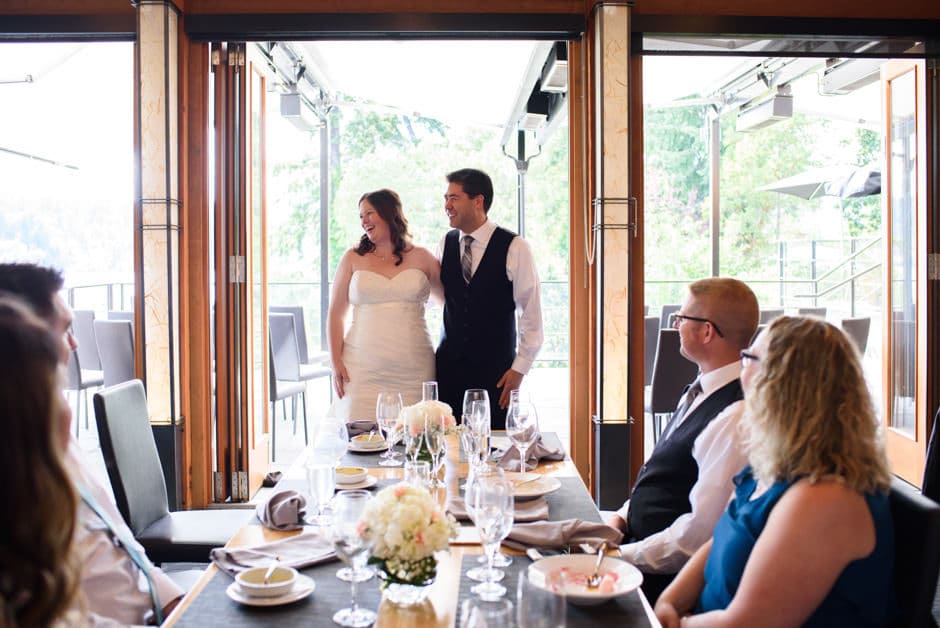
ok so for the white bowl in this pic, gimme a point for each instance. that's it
(350, 475)
(369, 441)
(622, 577)
(281, 581)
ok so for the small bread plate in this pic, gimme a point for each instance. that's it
(369, 482)
(367, 443)
(303, 587)
(569, 573)
(532, 485)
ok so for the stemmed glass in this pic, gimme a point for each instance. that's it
(388, 407)
(541, 606)
(477, 474)
(348, 508)
(321, 481)
(477, 427)
(413, 436)
(330, 439)
(493, 514)
(472, 395)
(522, 426)
(434, 433)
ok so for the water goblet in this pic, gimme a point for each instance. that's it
(348, 508)
(434, 438)
(472, 395)
(330, 440)
(321, 482)
(413, 434)
(428, 391)
(418, 473)
(388, 407)
(541, 606)
(493, 515)
(477, 613)
(522, 427)
(473, 486)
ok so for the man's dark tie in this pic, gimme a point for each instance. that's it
(120, 540)
(693, 391)
(466, 261)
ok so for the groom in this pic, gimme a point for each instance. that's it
(489, 275)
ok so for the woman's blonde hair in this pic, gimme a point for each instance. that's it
(38, 576)
(809, 412)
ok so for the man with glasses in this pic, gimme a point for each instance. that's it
(685, 485)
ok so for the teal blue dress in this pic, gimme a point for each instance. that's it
(863, 595)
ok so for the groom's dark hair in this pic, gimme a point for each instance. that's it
(474, 183)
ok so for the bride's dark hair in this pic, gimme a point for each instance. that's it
(388, 204)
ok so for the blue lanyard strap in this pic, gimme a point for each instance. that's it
(127, 545)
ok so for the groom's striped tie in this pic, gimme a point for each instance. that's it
(466, 262)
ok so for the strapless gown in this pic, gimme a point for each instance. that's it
(388, 346)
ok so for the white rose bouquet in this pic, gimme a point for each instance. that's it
(412, 417)
(405, 526)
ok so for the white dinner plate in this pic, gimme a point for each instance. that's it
(303, 586)
(367, 448)
(366, 483)
(527, 486)
(622, 577)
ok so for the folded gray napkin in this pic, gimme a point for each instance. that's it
(533, 455)
(302, 550)
(360, 426)
(531, 510)
(561, 534)
(283, 511)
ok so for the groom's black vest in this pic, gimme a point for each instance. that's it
(479, 317)
(661, 492)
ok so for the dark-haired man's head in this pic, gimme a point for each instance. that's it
(39, 286)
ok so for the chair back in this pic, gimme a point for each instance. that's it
(768, 315)
(650, 338)
(671, 373)
(83, 327)
(300, 328)
(812, 311)
(73, 372)
(857, 329)
(130, 454)
(916, 554)
(116, 349)
(664, 313)
(120, 315)
(285, 355)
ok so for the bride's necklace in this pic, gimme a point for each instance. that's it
(381, 257)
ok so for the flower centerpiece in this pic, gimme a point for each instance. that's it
(405, 526)
(413, 421)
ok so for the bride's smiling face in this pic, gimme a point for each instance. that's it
(372, 223)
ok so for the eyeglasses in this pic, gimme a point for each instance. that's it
(747, 357)
(678, 318)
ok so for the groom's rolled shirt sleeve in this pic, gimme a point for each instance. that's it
(527, 293)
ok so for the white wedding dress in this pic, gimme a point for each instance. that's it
(387, 347)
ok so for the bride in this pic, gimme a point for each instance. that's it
(387, 280)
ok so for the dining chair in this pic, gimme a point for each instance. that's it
(812, 311)
(83, 329)
(115, 340)
(650, 338)
(770, 314)
(916, 554)
(80, 380)
(664, 313)
(300, 329)
(672, 372)
(136, 475)
(288, 376)
(857, 329)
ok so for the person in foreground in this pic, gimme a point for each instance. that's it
(685, 485)
(387, 280)
(808, 538)
(488, 275)
(39, 577)
(113, 584)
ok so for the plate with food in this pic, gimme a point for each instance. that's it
(367, 443)
(532, 485)
(570, 573)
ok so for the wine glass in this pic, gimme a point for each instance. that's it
(493, 515)
(388, 407)
(477, 613)
(418, 474)
(522, 427)
(413, 434)
(541, 606)
(434, 433)
(330, 440)
(348, 508)
(321, 481)
(475, 433)
(470, 396)
(428, 391)
(482, 572)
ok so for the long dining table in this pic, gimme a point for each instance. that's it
(207, 604)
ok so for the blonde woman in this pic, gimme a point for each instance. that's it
(807, 539)
(38, 575)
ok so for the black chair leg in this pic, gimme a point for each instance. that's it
(303, 400)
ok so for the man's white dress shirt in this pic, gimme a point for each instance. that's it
(526, 292)
(719, 455)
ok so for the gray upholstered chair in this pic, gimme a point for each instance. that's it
(671, 374)
(130, 455)
(664, 313)
(316, 358)
(80, 380)
(916, 554)
(83, 328)
(770, 314)
(857, 329)
(650, 338)
(115, 341)
(812, 311)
